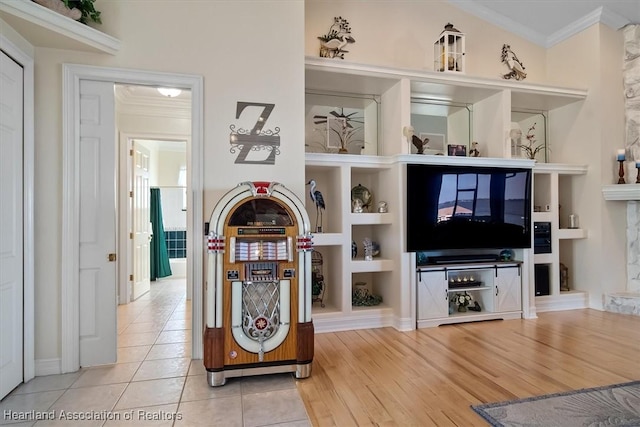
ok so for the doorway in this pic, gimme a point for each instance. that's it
(163, 175)
(75, 74)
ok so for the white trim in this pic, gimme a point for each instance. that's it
(48, 367)
(27, 63)
(600, 15)
(571, 300)
(501, 21)
(72, 74)
(628, 192)
(60, 31)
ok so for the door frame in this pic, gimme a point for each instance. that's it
(125, 246)
(70, 310)
(28, 176)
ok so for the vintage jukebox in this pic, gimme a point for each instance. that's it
(258, 287)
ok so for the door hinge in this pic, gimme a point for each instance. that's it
(131, 235)
(130, 193)
(131, 152)
(131, 277)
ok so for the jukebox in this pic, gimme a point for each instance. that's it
(258, 287)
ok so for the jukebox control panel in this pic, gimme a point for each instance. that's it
(262, 253)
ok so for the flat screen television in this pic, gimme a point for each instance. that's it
(467, 207)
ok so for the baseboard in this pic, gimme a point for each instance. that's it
(364, 319)
(404, 324)
(48, 367)
(565, 301)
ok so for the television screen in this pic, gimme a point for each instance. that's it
(467, 207)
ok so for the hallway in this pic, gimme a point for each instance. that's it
(154, 382)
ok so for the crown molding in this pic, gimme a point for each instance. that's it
(601, 15)
(500, 21)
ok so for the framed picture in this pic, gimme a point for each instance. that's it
(457, 150)
(434, 143)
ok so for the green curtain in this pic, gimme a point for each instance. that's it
(160, 266)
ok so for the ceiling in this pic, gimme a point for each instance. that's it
(548, 22)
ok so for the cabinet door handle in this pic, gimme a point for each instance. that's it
(497, 290)
(446, 294)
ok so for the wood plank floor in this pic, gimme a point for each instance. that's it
(430, 377)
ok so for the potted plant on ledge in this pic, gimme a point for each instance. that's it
(78, 10)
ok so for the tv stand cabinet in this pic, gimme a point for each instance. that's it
(496, 286)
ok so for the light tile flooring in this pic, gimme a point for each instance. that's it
(154, 382)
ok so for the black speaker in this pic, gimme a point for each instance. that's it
(541, 237)
(541, 274)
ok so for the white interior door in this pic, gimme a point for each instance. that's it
(141, 224)
(97, 235)
(11, 225)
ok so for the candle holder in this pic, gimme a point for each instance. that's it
(621, 172)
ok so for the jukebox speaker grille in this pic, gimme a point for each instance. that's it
(260, 309)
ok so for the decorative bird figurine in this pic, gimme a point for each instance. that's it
(419, 143)
(516, 69)
(318, 199)
(334, 46)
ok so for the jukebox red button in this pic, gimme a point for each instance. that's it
(261, 323)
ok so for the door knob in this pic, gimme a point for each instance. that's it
(111, 257)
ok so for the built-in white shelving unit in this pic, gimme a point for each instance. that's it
(393, 275)
(553, 185)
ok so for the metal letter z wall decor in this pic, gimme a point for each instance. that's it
(256, 139)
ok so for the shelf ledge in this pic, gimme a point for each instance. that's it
(621, 192)
(43, 27)
(560, 168)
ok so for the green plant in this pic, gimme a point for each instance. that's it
(87, 8)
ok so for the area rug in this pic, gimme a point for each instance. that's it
(614, 405)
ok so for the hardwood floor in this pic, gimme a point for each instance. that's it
(430, 377)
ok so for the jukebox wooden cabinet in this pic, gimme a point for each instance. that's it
(258, 288)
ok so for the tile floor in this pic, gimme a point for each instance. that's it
(154, 382)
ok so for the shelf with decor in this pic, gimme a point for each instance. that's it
(369, 293)
(44, 27)
(468, 292)
(336, 176)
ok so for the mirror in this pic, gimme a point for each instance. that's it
(341, 123)
(441, 126)
(528, 135)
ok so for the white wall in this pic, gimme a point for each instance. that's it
(593, 59)
(223, 41)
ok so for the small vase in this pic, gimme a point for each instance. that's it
(462, 308)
